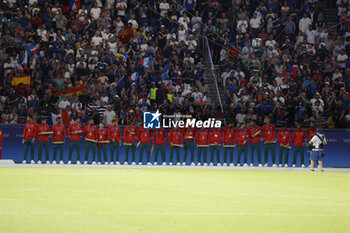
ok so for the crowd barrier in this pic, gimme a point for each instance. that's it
(337, 150)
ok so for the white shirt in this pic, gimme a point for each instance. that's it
(95, 13)
(316, 142)
(63, 104)
(304, 24)
(96, 40)
(109, 116)
(255, 23)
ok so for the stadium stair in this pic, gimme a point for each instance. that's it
(330, 14)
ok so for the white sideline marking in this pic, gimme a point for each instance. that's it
(173, 213)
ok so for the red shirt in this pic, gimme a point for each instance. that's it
(159, 136)
(311, 132)
(114, 133)
(101, 135)
(59, 133)
(242, 137)
(74, 128)
(90, 132)
(253, 130)
(1, 138)
(40, 129)
(130, 134)
(144, 135)
(298, 137)
(189, 134)
(229, 135)
(175, 136)
(202, 137)
(269, 132)
(215, 136)
(29, 131)
(283, 136)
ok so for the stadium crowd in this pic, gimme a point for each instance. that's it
(132, 56)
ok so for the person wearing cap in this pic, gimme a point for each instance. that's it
(283, 137)
(74, 131)
(130, 135)
(202, 141)
(189, 134)
(58, 138)
(229, 142)
(176, 141)
(269, 134)
(317, 142)
(298, 138)
(115, 138)
(158, 143)
(242, 142)
(102, 139)
(43, 132)
(144, 140)
(255, 134)
(29, 134)
(215, 145)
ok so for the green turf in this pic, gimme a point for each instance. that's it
(175, 200)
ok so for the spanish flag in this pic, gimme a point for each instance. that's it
(17, 80)
(75, 91)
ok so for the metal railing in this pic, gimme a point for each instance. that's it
(213, 72)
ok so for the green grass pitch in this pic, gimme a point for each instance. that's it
(74, 200)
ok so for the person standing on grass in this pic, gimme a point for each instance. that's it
(102, 139)
(43, 132)
(158, 141)
(29, 134)
(242, 142)
(310, 132)
(130, 134)
(176, 141)
(89, 133)
(298, 138)
(215, 145)
(283, 137)
(255, 134)
(189, 134)
(115, 138)
(74, 131)
(202, 141)
(269, 133)
(317, 142)
(229, 142)
(144, 140)
(58, 139)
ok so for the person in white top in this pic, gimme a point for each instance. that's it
(63, 103)
(304, 23)
(342, 58)
(164, 7)
(184, 20)
(108, 115)
(97, 39)
(318, 141)
(95, 12)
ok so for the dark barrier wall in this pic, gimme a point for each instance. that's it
(337, 150)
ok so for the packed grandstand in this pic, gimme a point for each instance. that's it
(105, 59)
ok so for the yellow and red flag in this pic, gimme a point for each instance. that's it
(17, 80)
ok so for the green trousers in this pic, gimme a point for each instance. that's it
(28, 144)
(55, 148)
(243, 149)
(41, 146)
(298, 150)
(189, 145)
(255, 147)
(161, 149)
(132, 149)
(214, 150)
(176, 158)
(101, 148)
(74, 145)
(284, 151)
(114, 147)
(89, 146)
(145, 147)
(228, 154)
(272, 148)
(202, 151)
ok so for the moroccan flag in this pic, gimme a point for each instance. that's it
(74, 91)
(17, 80)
